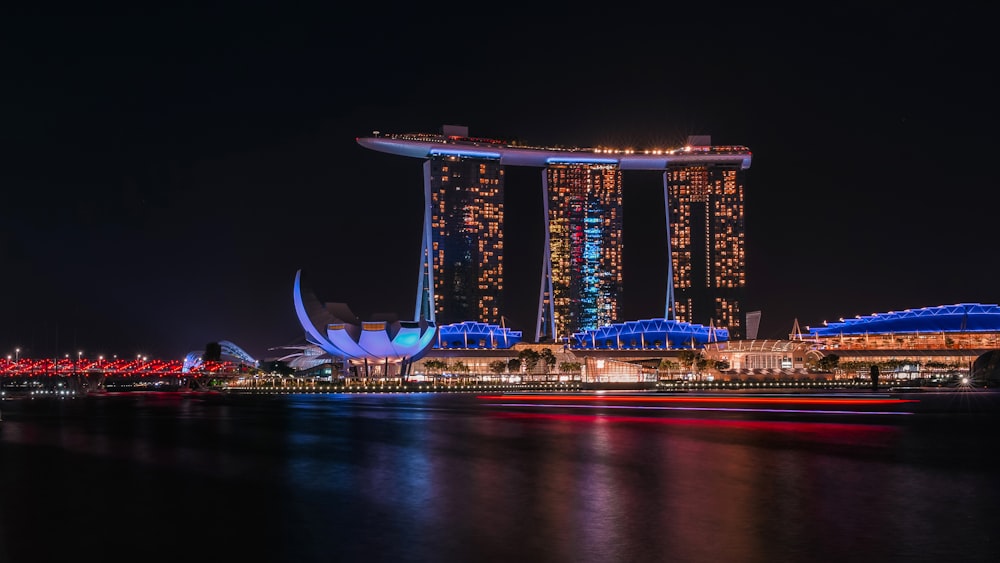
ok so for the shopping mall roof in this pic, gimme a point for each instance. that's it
(648, 333)
(472, 334)
(961, 317)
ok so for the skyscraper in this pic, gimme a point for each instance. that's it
(581, 282)
(582, 270)
(707, 238)
(467, 238)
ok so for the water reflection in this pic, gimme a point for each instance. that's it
(450, 478)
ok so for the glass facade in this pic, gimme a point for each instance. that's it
(467, 238)
(584, 204)
(708, 244)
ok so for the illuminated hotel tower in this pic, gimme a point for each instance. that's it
(466, 216)
(582, 260)
(582, 263)
(706, 240)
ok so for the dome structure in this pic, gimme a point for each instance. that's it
(958, 318)
(382, 340)
(476, 335)
(648, 334)
(230, 353)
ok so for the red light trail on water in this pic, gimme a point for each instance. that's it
(771, 404)
(714, 400)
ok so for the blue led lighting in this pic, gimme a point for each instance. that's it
(464, 153)
(472, 334)
(961, 317)
(645, 333)
(581, 160)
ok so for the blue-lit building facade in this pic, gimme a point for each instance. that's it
(649, 334)
(476, 336)
(381, 346)
(582, 272)
(908, 343)
(972, 324)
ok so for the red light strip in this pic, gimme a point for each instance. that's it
(709, 400)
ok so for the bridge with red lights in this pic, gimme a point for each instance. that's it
(31, 376)
(139, 367)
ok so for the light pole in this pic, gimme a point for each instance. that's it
(79, 372)
(17, 354)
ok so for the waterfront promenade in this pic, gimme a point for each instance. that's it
(803, 400)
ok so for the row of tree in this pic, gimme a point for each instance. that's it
(529, 359)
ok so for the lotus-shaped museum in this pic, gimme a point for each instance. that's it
(384, 344)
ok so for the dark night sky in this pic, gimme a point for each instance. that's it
(165, 173)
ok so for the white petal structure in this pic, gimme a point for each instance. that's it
(334, 328)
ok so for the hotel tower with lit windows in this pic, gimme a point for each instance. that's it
(461, 276)
(466, 219)
(707, 241)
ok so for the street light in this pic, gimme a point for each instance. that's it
(17, 354)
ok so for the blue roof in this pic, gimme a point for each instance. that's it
(472, 334)
(961, 317)
(645, 334)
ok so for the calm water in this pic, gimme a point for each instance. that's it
(458, 478)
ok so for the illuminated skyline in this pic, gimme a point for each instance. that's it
(168, 171)
(582, 275)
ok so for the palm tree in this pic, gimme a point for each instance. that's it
(668, 365)
(530, 359)
(498, 367)
(689, 358)
(548, 358)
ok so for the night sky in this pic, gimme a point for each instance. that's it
(165, 173)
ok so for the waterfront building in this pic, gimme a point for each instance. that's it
(582, 274)
(944, 337)
(474, 335)
(910, 344)
(707, 239)
(650, 334)
(381, 346)
(466, 242)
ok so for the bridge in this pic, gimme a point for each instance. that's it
(32, 376)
